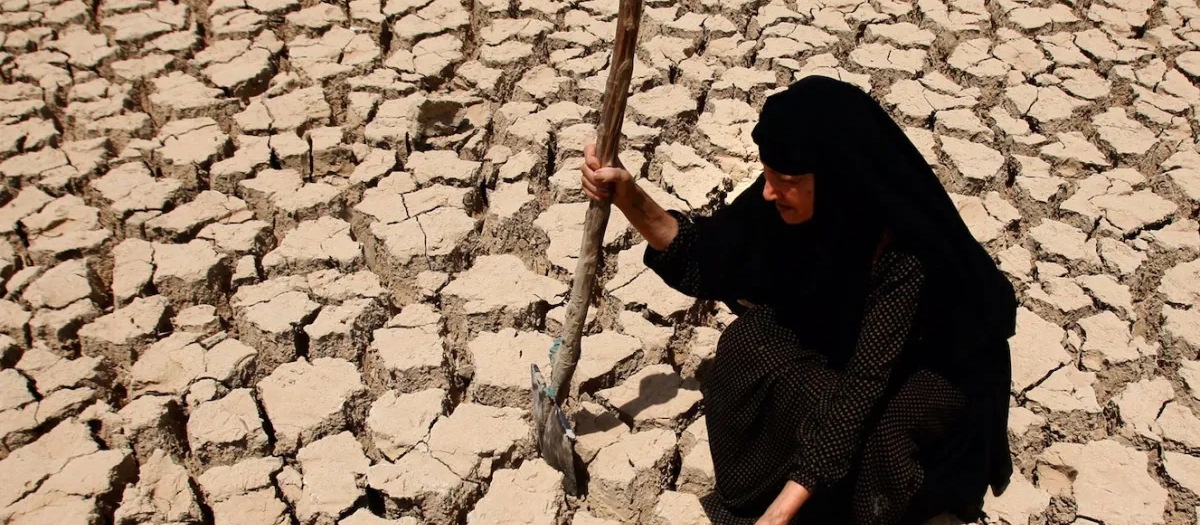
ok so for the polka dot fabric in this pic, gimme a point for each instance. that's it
(854, 435)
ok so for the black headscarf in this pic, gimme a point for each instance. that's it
(869, 174)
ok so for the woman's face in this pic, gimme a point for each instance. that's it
(792, 194)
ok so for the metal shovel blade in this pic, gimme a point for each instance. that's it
(556, 440)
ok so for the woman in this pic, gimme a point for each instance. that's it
(866, 379)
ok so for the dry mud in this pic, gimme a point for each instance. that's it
(283, 261)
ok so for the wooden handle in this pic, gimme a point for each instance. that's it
(608, 131)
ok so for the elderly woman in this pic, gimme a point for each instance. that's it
(866, 379)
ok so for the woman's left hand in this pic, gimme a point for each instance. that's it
(769, 519)
(785, 505)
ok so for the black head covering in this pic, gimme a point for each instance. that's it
(869, 174)
(866, 166)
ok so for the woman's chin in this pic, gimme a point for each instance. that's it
(791, 216)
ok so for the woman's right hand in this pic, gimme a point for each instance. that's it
(601, 184)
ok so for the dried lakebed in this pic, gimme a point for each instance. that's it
(288, 262)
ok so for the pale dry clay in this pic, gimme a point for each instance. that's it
(271, 261)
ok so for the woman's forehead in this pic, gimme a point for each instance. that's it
(785, 176)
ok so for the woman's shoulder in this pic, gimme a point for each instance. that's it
(899, 261)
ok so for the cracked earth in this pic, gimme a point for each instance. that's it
(288, 262)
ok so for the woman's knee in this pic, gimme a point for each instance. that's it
(758, 328)
(747, 326)
(937, 405)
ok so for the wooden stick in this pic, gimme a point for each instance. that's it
(608, 131)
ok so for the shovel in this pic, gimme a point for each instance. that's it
(556, 440)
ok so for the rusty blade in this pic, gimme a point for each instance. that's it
(556, 440)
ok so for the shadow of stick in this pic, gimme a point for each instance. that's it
(653, 390)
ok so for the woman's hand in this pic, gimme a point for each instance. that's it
(613, 183)
(772, 519)
(785, 505)
(657, 226)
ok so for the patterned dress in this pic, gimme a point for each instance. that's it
(856, 435)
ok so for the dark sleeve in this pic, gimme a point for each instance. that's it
(829, 442)
(684, 266)
(715, 257)
(678, 265)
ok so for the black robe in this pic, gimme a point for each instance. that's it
(858, 435)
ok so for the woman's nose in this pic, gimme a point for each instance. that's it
(769, 192)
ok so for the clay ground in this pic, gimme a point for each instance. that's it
(288, 262)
